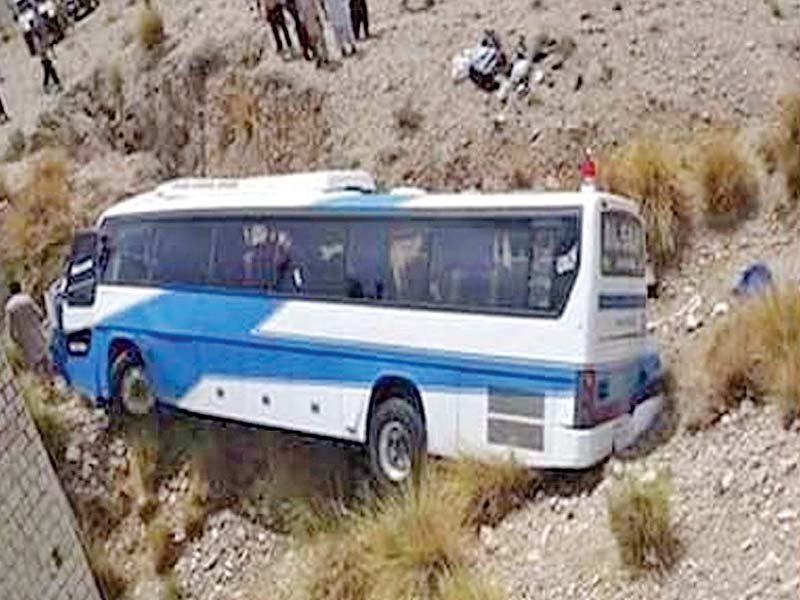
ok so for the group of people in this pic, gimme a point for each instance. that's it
(349, 20)
(41, 41)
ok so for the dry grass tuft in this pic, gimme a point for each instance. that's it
(413, 544)
(463, 585)
(112, 581)
(408, 120)
(727, 181)
(166, 550)
(171, 589)
(38, 224)
(196, 507)
(638, 510)
(402, 548)
(42, 404)
(243, 115)
(16, 147)
(489, 491)
(646, 170)
(150, 28)
(780, 147)
(756, 354)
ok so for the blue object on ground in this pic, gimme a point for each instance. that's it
(754, 279)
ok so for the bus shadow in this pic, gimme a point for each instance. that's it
(662, 431)
(268, 476)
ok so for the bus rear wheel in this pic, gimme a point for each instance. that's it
(133, 392)
(396, 443)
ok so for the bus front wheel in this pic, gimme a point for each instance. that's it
(134, 394)
(396, 442)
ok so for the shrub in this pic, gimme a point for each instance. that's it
(37, 227)
(15, 149)
(646, 171)
(196, 506)
(243, 115)
(150, 28)
(166, 550)
(408, 120)
(50, 422)
(109, 577)
(780, 147)
(399, 549)
(489, 490)
(727, 181)
(463, 585)
(757, 354)
(638, 510)
(171, 589)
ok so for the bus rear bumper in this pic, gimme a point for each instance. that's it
(570, 448)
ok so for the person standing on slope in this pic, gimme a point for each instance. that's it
(339, 15)
(273, 11)
(300, 27)
(25, 326)
(309, 14)
(360, 16)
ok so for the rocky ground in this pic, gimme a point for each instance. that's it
(677, 68)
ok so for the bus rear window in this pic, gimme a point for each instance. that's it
(623, 252)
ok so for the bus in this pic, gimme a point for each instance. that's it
(494, 325)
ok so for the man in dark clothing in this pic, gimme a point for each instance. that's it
(302, 32)
(45, 52)
(360, 16)
(277, 22)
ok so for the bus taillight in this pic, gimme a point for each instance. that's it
(585, 399)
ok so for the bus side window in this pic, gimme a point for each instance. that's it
(242, 255)
(366, 260)
(409, 259)
(310, 258)
(129, 254)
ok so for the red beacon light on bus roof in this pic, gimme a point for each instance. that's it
(588, 170)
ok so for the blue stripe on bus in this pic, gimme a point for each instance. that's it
(362, 202)
(185, 337)
(622, 301)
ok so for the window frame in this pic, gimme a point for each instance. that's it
(275, 217)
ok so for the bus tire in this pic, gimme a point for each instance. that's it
(133, 393)
(396, 443)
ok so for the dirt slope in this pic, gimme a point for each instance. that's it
(677, 67)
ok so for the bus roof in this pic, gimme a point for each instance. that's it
(335, 192)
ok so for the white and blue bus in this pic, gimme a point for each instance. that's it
(412, 323)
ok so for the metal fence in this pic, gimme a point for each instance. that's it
(41, 557)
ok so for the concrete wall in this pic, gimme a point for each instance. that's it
(40, 555)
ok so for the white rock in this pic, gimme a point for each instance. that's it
(726, 482)
(693, 322)
(546, 535)
(720, 309)
(786, 515)
(747, 544)
(73, 454)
